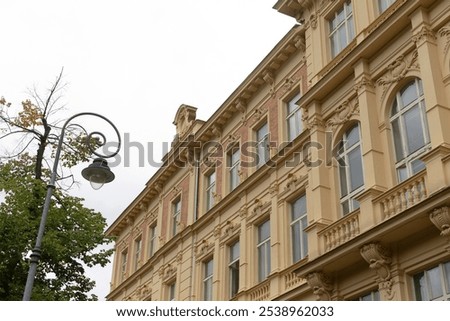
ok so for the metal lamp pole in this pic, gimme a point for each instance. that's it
(98, 171)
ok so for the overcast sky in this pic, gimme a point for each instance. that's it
(134, 62)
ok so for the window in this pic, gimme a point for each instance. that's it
(341, 28)
(137, 252)
(176, 208)
(262, 148)
(210, 190)
(350, 169)
(433, 284)
(299, 222)
(293, 119)
(372, 296)
(233, 268)
(123, 264)
(263, 250)
(234, 160)
(208, 280)
(151, 240)
(409, 129)
(171, 291)
(384, 4)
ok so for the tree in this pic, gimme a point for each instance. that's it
(73, 232)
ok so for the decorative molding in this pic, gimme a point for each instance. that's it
(242, 175)
(217, 197)
(217, 232)
(243, 212)
(343, 113)
(425, 34)
(232, 139)
(203, 248)
(216, 130)
(444, 32)
(179, 258)
(379, 259)
(273, 188)
(241, 106)
(143, 291)
(440, 217)
(311, 123)
(300, 43)
(167, 272)
(320, 284)
(397, 70)
(229, 229)
(269, 78)
(175, 191)
(137, 230)
(363, 84)
(152, 216)
(258, 113)
(313, 20)
(184, 119)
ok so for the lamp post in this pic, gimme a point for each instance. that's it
(97, 173)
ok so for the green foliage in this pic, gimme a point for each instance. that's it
(72, 236)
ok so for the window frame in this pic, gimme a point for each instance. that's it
(262, 144)
(263, 245)
(406, 163)
(137, 252)
(208, 279)
(152, 234)
(296, 115)
(233, 266)
(171, 291)
(303, 246)
(176, 215)
(210, 189)
(342, 24)
(343, 154)
(233, 164)
(123, 264)
(444, 282)
(383, 5)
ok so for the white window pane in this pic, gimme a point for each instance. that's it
(414, 129)
(298, 208)
(398, 144)
(417, 165)
(408, 95)
(292, 127)
(434, 282)
(352, 136)
(355, 167)
(342, 34)
(304, 225)
(447, 275)
(343, 179)
(351, 29)
(345, 208)
(420, 287)
(402, 173)
(264, 231)
(296, 251)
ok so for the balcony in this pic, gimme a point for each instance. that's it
(403, 196)
(341, 231)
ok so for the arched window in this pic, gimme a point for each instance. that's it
(409, 129)
(350, 169)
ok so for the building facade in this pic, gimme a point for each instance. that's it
(324, 176)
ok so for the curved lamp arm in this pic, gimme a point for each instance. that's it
(36, 253)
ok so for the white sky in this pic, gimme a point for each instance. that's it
(134, 62)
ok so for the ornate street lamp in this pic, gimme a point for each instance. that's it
(98, 173)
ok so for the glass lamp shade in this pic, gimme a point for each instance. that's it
(98, 173)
